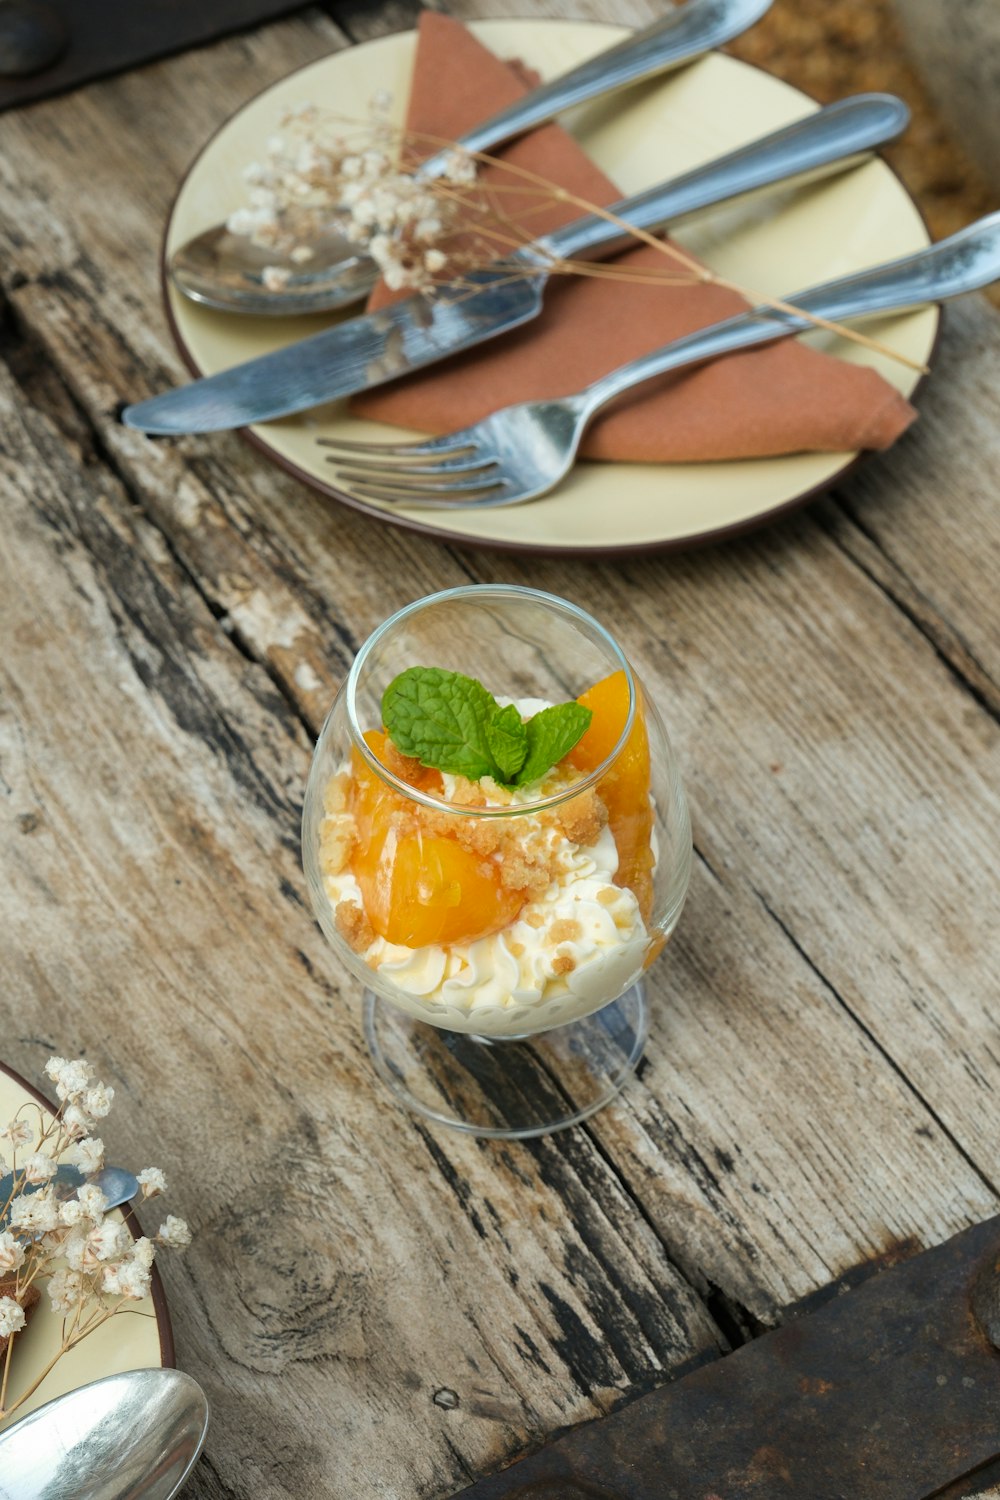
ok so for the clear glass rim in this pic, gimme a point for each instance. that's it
(507, 591)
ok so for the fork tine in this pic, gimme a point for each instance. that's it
(421, 502)
(402, 489)
(386, 469)
(433, 446)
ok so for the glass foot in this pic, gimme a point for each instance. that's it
(509, 1088)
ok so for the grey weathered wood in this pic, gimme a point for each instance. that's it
(823, 1072)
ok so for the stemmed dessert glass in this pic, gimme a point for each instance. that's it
(502, 995)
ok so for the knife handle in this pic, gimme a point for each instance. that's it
(840, 133)
(685, 33)
(965, 262)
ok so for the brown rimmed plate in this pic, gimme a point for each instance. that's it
(138, 1340)
(772, 243)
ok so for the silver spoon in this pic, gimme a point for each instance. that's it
(226, 271)
(133, 1436)
(117, 1185)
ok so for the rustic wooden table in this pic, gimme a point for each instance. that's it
(375, 1308)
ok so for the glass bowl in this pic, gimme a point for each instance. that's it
(501, 934)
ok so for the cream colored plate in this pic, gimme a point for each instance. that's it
(774, 243)
(130, 1341)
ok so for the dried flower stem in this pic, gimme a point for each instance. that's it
(431, 231)
(698, 272)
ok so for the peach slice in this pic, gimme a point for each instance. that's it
(419, 887)
(625, 788)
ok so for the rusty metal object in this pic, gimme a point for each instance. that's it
(891, 1390)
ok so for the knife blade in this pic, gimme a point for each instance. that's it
(421, 329)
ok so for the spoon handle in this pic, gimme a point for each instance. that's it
(685, 33)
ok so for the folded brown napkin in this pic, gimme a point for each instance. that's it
(782, 399)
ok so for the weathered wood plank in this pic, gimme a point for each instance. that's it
(272, 579)
(345, 1264)
(916, 513)
(823, 1066)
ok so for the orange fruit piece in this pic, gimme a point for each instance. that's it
(419, 887)
(625, 789)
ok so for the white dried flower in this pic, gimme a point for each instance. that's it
(71, 1078)
(74, 1247)
(11, 1253)
(459, 167)
(301, 254)
(174, 1232)
(19, 1133)
(275, 278)
(11, 1317)
(263, 198)
(143, 1252)
(106, 1242)
(241, 221)
(65, 1290)
(130, 1280)
(98, 1100)
(86, 1155)
(36, 1213)
(77, 1122)
(363, 212)
(92, 1200)
(435, 260)
(39, 1168)
(152, 1182)
(308, 159)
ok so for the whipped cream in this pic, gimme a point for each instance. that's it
(570, 950)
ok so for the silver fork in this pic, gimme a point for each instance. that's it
(523, 451)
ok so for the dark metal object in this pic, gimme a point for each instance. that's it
(889, 1391)
(104, 36)
(31, 38)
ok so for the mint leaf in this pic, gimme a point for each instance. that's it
(508, 741)
(442, 718)
(551, 734)
(451, 722)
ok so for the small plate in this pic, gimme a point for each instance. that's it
(130, 1341)
(772, 243)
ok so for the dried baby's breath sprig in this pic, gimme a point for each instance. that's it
(316, 175)
(88, 1263)
(326, 171)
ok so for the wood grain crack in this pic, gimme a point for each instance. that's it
(947, 643)
(871, 1037)
(43, 386)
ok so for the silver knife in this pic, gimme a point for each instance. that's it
(419, 330)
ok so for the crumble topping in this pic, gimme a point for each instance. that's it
(354, 926)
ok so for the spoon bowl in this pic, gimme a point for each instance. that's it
(228, 272)
(132, 1436)
(117, 1185)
